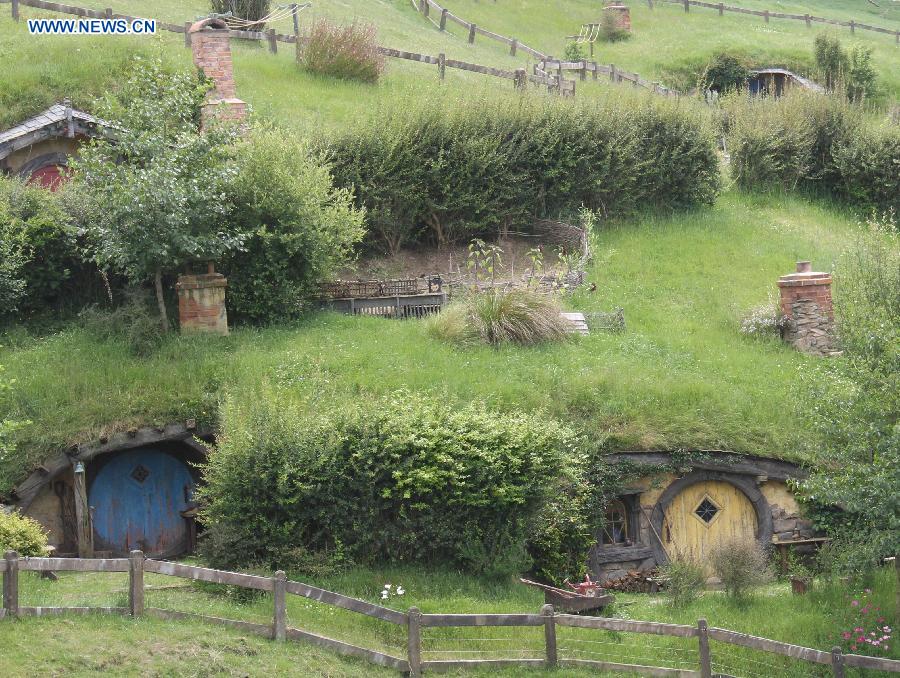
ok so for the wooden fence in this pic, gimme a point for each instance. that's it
(413, 621)
(614, 73)
(519, 77)
(767, 15)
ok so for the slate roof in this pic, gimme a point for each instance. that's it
(60, 120)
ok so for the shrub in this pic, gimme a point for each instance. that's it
(400, 479)
(345, 52)
(741, 566)
(250, 10)
(610, 30)
(725, 72)
(39, 249)
(133, 321)
(686, 580)
(300, 228)
(574, 52)
(24, 535)
(452, 173)
(861, 75)
(498, 316)
(763, 320)
(867, 165)
(831, 59)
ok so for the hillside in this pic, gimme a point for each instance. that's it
(46, 70)
(681, 375)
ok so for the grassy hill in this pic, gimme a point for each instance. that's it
(681, 375)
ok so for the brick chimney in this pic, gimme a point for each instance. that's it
(201, 302)
(211, 48)
(622, 14)
(807, 310)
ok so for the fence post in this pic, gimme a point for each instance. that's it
(444, 19)
(703, 637)
(279, 627)
(273, 43)
(687, 5)
(427, 7)
(136, 583)
(852, 26)
(721, 9)
(521, 79)
(442, 65)
(612, 72)
(295, 14)
(808, 21)
(471, 34)
(550, 635)
(15, 10)
(85, 530)
(766, 15)
(837, 662)
(109, 12)
(414, 643)
(11, 584)
(596, 73)
(187, 33)
(650, 4)
(513, 46)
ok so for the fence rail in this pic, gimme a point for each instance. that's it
(766, 14)
(413, 620)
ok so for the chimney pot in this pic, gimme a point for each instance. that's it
(804, 267)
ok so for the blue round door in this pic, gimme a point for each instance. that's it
(137, 499)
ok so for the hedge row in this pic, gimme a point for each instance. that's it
(452, 173)
(403, 479)
(814, 141)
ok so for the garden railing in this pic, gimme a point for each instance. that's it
(413, 621)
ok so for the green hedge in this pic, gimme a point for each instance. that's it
(449, 174)
(817, 142)
(403, 479)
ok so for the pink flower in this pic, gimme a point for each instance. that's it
(858, 629)
(854, 603)
(868, 590)
(853, 647)
(845, 635)
(861, 639)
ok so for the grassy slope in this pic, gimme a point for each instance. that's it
(681, 375)
(122, 646)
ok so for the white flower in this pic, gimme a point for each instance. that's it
(400, 590)
(384, 595)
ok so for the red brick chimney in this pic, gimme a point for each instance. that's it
(807, 310)
(211, 48)
(201, 302)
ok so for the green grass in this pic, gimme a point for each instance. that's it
(121, 646)
(680, 376)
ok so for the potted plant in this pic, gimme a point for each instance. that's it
(800, 576)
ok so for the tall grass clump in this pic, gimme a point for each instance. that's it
(686, 580)
(347, 52)
(453, 173)
(741, 566)
(817, 142)
(500, 316)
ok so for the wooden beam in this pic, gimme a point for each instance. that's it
(414, 642)
(84, 529)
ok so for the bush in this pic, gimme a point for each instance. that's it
(867, 165)
(725, 72)
(741, 566)
(301, 229)
(574, 52)
(133, 321)
(610, 31)
(345, 52)
(23, 535)
(250, 10)
(499, 316)
(686, 580)
(38, 250)
(403, 479)
(445, 174)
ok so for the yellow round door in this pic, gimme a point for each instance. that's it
(705, 514)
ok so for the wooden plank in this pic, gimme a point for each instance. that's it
(875, 663)
(249, 581)
(493, 36)
(766, 645)
(346, 602)
(409, 56)
(659, 629)
(60, 611)
(414, 643)
(432, 620)
(347, 649)
(453, 664)
(660, 671)
(74, 564)
(175, 615)
(478, 68)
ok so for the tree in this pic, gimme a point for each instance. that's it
(854, 402)
(157, 188)
(831, 59)
(861, 75)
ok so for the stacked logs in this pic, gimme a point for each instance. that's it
(636, 581)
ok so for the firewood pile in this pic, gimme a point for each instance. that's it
(637, 581)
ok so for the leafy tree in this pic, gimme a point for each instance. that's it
(574, 52)
(854, 402)
(725, 72)
(861, 75)
(831, 59)
(157, 187)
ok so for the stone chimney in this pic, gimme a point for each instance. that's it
(211, 48)
(807, 310)
(201, 302)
